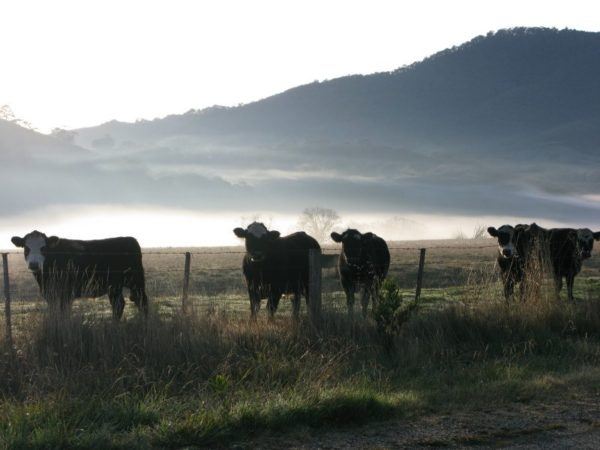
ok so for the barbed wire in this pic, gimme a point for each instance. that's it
(324, 251)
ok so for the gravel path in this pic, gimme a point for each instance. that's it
(570, 424)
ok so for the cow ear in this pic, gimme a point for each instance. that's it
(336, 237)
(52, 241)
(239, 232)
(596, 235)
(273, 234)
(18, 241)
(492, 231)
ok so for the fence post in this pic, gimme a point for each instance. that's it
(7, 316)
(314, 284)
(186, 280)
(420, 274)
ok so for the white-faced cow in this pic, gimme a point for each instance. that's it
(67, 269)
(364, 262)
(275, 265)
(568, 249)
(510, 261)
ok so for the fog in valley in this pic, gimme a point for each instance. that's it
(501, 129)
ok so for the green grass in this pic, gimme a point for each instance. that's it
(219, 379)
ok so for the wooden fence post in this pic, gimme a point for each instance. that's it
(7, 316)
(314, 284)
(420, 274)
(186, 280)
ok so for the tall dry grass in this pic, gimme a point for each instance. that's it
(213, 377)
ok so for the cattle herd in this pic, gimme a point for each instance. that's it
(526, 252)
(66, 269)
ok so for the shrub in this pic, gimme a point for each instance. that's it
(391, 310)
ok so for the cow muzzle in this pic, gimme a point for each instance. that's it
(257, 257)
(34, 267)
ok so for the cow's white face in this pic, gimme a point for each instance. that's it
(34, 248)
(258, 240)
(506, 240)
(585, 242)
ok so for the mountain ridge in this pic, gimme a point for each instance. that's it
(507, 123)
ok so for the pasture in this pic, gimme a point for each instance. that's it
(211, 377)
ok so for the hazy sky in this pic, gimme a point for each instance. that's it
(77, 63)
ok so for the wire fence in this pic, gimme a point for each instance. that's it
(212, 280)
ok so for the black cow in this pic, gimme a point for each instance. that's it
(275, 265)
(568, 249)
(364, 262)
(510, 261)
(67, 269)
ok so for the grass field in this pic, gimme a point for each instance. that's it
(214, 378)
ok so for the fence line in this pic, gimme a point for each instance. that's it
(243, 252)
(319, 260)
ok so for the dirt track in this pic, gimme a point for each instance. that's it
(574, 424)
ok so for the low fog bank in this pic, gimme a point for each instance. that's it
(163, 227)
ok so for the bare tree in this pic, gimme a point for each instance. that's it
(318, 222)
(479, 232)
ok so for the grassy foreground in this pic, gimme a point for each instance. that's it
(219, 379)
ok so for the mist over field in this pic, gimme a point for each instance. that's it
(163, 227)
(502, 128)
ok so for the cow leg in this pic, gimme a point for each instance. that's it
(364, 301)
(296, 305)
(570, 282)
(139, 297)
(136, 282)
(375, 292)
(254, 296)
(66, 305)
(273, 303)
(349, 290)
(558, 283)
(522, 289)
(115, 295)
(254, 303)
(526, 289)
(53, 307)
(509, 288)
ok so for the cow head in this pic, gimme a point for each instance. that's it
(507, 240)
(35, 245)
(585, 241)
(353, 244)
(258, 240)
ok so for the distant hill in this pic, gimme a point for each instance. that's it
(507, 123)
(514, 83)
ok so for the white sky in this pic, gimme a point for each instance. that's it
(78, 63)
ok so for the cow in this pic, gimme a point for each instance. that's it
(364, 262)
(510, 261)
(66, 269)
(527, 257)
(275, 265)
(568, 249)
